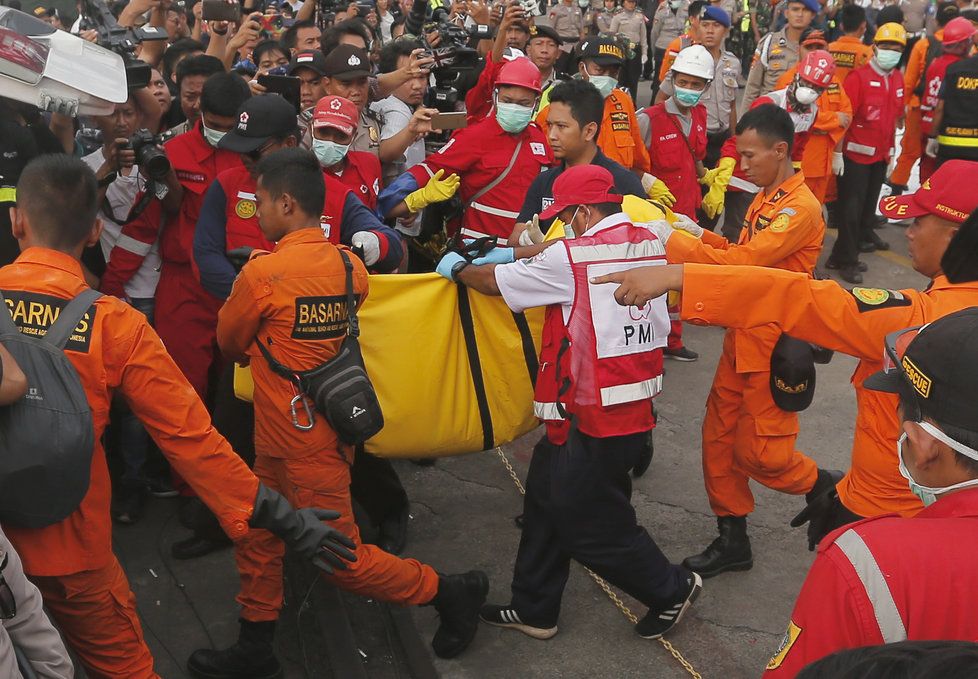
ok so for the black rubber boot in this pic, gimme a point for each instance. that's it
(459, 599)
(251, 657)
(729, 552)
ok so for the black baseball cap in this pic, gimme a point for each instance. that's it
(260, 118)
(311, 59)
(545, 32)
(792, 374)
(347, 62)
(603, 51)
(936, 366)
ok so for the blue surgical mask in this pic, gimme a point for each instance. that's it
(605, 83)
(888, 59)
(926, 494)
(513, 117)
(329, 152)
(687, 97)
(213, 137)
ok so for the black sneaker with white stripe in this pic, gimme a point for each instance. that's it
(505, 616)
(659, 621)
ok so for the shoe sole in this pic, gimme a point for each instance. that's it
(681, 359)
(690, 600)
(738, 566)
(540, 633)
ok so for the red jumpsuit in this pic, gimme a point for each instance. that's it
(294, 299)
(885, 580)
(71, 562)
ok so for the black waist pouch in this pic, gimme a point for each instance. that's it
(340, 388)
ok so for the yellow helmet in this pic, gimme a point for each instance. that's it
(891, 32)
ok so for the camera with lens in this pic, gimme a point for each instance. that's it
(149, 156)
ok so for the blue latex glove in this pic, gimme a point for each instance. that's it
(444, 267)
(497, 256)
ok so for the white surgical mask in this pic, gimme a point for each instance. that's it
(329, 152)
(605, 83)
(514, 118)
(888, 59)
(213, 137)
(927, 494)
(805, 95)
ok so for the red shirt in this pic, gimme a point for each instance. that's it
(360, 172)
(888, 579)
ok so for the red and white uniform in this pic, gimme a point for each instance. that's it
(600, 362)
(933, 80)
(877, 104)
(887, 579)
(479, 154)
(361, 173)
(669, 151)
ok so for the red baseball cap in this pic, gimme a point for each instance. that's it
(948, 194)
(581, 185)
(335, 112)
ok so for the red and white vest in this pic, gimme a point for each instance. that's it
(933, 80)
(604, 364)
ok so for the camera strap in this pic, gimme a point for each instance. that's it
(148, 194)
(495, 182)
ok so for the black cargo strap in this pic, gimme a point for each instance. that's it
(565, 385)
(475, 366)
(68, 319)
(529, 350)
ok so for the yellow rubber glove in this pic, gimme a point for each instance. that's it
(713, 200)
(435, 191)
(708, 178)
(657, 190)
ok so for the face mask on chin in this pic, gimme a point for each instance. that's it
(926, 494)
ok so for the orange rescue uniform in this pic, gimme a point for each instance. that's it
(294, 301)
(849, 53)
(745, 435)
(619, 137)
(114, 349)
(672, 51)
(824, 136)
(910, 146)
(852, 322)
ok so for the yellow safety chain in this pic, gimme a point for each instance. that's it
(615, 599)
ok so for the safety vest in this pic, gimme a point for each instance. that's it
(874, 115)
(932, 81)
(608, 363)
(241, 225)
(959, 126)
(669, 151)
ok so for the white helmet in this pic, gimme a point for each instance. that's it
(694, 60)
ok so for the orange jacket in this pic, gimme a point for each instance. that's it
(914, 70)
(849, 53)
(115, 349)
(672, 51)
(852, 322)
(293, 300)
(816, 161)
(619, 137)
(783, 230)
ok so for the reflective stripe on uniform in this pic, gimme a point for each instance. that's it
(868, 571)
(611, 251)
(136, 247)
(627, 393)
(946, 140)
(469, 233)
(547, 411)
(860, 148)
(743, 185)
(498, 212)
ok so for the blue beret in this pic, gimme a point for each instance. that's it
(813, 5)
(717, 14)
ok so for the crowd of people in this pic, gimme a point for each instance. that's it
(230, 211)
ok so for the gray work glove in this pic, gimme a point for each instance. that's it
(303, 530)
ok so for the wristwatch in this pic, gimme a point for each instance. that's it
(457, 269)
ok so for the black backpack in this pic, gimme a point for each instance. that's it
(47, 438)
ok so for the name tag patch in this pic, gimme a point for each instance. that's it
(537, 148)
(34, 313)
(320, 318)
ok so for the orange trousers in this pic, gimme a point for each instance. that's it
(746, 436)
(96, 613)
(910, 148)
(819, 186)
(322, 481)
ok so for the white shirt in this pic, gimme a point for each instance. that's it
(546, 278)
(396, 115)
(121, 195)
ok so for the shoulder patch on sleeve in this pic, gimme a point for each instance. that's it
(780, 223)
(787, 641)
(868, 299)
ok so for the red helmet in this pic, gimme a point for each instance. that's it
(958, 29)
(817, 68)
(520, 72)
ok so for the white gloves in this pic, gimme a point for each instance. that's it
(931, 149)
(369, 243)
(532, 235)
(838, 166)
(661, 228)
(684, 223)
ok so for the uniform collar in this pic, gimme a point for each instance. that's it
(963, 503)
(52, 259)
(608, 222)
(785, 187)
(313, 234)
(199, 147)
